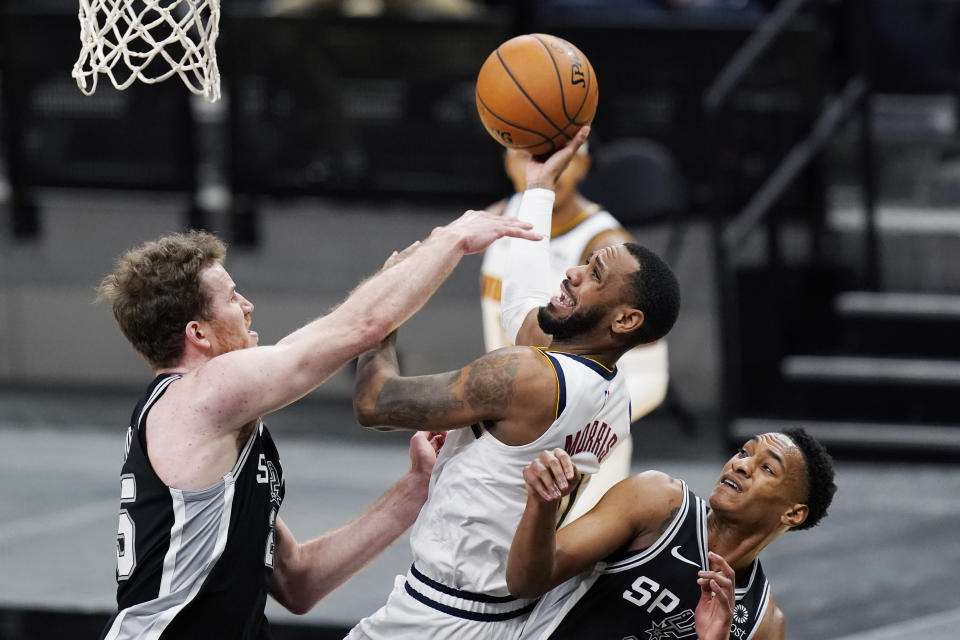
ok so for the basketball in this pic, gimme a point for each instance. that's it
(535, 91)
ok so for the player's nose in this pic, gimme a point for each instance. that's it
(742, 465)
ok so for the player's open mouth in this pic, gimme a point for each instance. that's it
(565, 300)
(727, 481)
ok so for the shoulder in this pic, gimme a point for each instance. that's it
(774, 624)
(526, 364)
(650, 493)
(656, 483)
(514, 354)
(646, 503)
(530, 361)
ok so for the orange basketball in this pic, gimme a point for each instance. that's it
(535, 92)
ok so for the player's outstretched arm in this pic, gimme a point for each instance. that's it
(305, 573)
(495, 389)
(542, 558)
(244, 384)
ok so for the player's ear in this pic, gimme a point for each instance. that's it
(196, 335)
(795, 515)
(627, 320)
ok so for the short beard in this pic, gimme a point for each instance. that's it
(562, 329)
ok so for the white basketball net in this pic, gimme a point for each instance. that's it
(149, 41)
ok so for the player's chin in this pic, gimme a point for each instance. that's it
(721, 500)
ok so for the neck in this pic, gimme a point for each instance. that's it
(739, 543)
(169, 371)
(607, 357)
(187, 363)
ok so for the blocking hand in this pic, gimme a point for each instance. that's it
(550, 476)
(476, 230)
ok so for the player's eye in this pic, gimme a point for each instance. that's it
(596, 274)
(741, 452)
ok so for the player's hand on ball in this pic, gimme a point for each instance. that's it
(543, 171)
(551, 475)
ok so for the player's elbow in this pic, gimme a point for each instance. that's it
(297, 607)
(290, 598)
(521, 584)
(365, 409)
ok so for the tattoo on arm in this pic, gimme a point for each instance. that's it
(490, 384)
(414, 400)
(487, 389)
(666, 522)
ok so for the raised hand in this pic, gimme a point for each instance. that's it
(550, 476)
(714, 612)
(543, 171)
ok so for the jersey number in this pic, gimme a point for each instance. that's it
(642, 590)
(126, 529)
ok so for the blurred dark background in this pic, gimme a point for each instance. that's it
(803, 157)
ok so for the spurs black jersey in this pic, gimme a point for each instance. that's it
(649, 594)
(194, 563)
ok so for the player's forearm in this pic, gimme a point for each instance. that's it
(326, 563)
(531, 565)
(389, 298)
(527, 284)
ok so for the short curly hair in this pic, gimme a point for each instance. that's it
(155, 291)
(653, 289)
(818, 466)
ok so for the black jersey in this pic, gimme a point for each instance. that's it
(195, 563)
(649, 594)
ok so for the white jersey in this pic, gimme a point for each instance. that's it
(462, 536)
(645, 367)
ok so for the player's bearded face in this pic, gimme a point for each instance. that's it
(576, 324)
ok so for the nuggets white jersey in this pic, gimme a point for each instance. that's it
(462, 537)
(645, 368)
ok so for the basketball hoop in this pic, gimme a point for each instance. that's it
(149, 41)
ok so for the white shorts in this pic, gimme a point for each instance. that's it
(415, 617)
